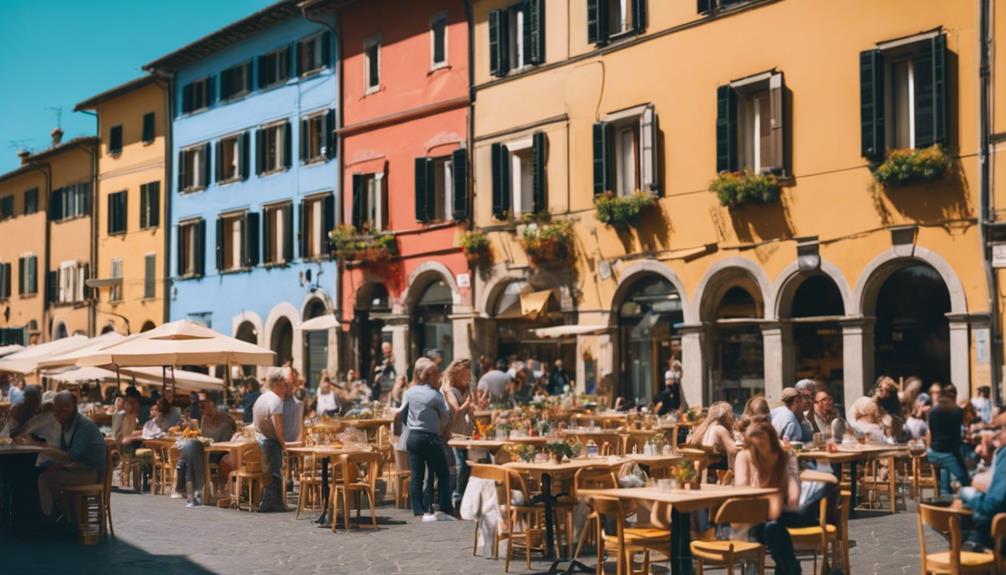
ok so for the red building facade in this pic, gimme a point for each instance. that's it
(405, 175)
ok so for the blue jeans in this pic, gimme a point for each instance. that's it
(774, 536)
(190, 467)
(427, 451)
(950, 464)
(272, 462)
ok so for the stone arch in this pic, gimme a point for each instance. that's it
(881, 267)
(421, 277)
(317, 295)
(59, 330)
(493, 289)
(279, 312)
(249, 317)
(789, 280)
(637, 270)
(717, 280)
(147, 326)
(109, 327)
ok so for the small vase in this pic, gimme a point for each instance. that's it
(556, 458)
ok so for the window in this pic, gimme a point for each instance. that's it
(7, 207)
(197, 95)
(68, 282)
(317, 136)
(612, 19)
(516, 37)
(274, 68)
(518, 172)
(149, 127)
(230, 242)
(115, 140)
(150, 205)
(372, 64)
(314, 53)
(903, 95)
(750, 120)
(30, 201)
(369, 201)
(27, 269)
(434, 189)
(708, 6)
(272, 148)
(150, 276)
(117, 213)
(233, 158)
(625, 158)
(115, 273)
(5, 281)
(71, 201)
(191, 248)
(438, 41)
(194, 168)
(278, 234)
(317, 218)
(235, 81)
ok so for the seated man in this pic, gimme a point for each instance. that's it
(986, 505)
(215, 425)
(81, 457)
(786, 419)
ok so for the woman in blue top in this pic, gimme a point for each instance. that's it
(427, 418)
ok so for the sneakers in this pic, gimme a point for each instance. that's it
(177, 495)
(429, 517)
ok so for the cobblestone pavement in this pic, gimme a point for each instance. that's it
(159, 536)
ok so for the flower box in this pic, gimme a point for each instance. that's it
(622, 212)
(738, 188)
(548, 243)
(353, 246)
(475, 245)
(908, 166)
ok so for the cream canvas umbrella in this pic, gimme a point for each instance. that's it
(69, 358)
(185, 380)
(27, 361)
(6, 350)
(320, 323)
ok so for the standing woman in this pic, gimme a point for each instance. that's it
(457, 391)
(427, 417)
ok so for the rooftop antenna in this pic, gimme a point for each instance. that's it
(19, 144)
(59, 115)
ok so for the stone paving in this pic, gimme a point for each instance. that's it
(159, 536)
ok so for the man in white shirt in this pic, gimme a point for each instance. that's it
(267, 419)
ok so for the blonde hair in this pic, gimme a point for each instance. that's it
(721, 413)
(455, 373)
(421, 370)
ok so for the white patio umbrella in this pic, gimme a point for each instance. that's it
(320, 323)
(26, 361)
(6, 350)
(69, 358)
(183, 379)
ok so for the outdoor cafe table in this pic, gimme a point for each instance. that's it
(17, 465)
(851, 455)
(655, 462)
(327, 452)
(683, 502)
(550, 470)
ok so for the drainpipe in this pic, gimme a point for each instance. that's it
(92, 304)
(46, 170)
(166, 81)
(987, 214)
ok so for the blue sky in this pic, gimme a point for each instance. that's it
(56, 53)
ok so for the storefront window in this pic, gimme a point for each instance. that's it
(739, 353)
(434, 333)
(912, 331)
(647, 320)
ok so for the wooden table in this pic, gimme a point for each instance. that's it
(655, 462)
(326, 452)
(683, 502)
(851, 455)
(231, 447)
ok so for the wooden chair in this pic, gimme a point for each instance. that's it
(250, 475)
(497, 475)
(400, 476)
(526, 519)
(309, 494)
(593, 477)
(626, 541)
(607, 443)
(955, 561)
(357, 475)
(924, 476)
(879, 481)
(728, 552)
(94, 501)
(999, 536)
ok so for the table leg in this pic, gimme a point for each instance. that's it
(207, 477)
(546, 493)
(323, 519)
(853, 488)
(681, 549)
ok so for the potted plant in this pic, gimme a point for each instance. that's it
(548, 243)
(686, 475)
(907, 166)
(522, 451)
(475, 245)
(350, 245)
(559, 449)
(737, 188)
(622, 212)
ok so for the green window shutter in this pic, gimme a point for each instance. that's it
(149, 127)
(144, 205)
(115, 140)
(201, 248)
(289, 55)
(179, 254)
(326, 49)
(259, 151)
(423, 168)
(180, 170)
(535, 13)
(528, 33)
(112, 219)
(287, 145)
(249, 80)
(21, 276)
(154, 204)
(726, 129)
(32, 274)
(219, 168)
(85, 191)
(359, 205)
(263, 66)
(51, 286)
(56, 205)
(501, 181)
(303, 140)
(244, 148)
(302, 238)
(327, 222)
(207, 161)
(459, 168)
(539, 170)
(296, 59)
(929, 65)
(499, 49)
(705, 6)
(602, 157)
(210, 90)
(251, 237)
(188, 93)
(639, 16)
(220, 244)
(871, 104)
(330, 135)
(597, 22)
(288, 232)
(150, 276)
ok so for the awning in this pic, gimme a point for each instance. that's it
(568, 330)
(70, 358)
(27, 360)
(533, 304)
(320, 323)
(184, 380)
(98, 283)
(6, 350)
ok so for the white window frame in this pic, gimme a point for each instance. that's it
(115, 290)
(234, 239)
(195, 175)
(318, 52)
(205, 81)
(243, 91)
(374, 190)
(279, 60)
(315, 219)
(369, 86)
(434, 20)
(443, 167)
(515, 40)
(28, 256)
(236, 162)
(277, 129)
(896, 51)
(644, 118)
(320, 155)
(278, 233)
(521, 154)
(188, 228)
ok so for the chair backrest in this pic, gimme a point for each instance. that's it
(369, 461)
(112, 459)
(612, 508)
(594, 477)
(999, 536)
(742, 510)
(251, 453)
(488, 472)
(945, 521)
(401, 460)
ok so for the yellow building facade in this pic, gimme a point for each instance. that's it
(130, 277)
(841, 278)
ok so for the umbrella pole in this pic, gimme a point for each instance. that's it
(173, 388)
(227, 380)
(118, 379)
(164, 378)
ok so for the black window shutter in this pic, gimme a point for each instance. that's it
(602, 158)
(287, 145)
(597, 22)
(259, 151)
(112, 218)
(179, 253)
(251, 247)
(220, 165)
(302, 239)
(144, 204)
(56, 205)
(181, 171)
(207, 162)
(327, 222)
(871, 104)
(149, 126)
(423, 168)
(326, 49)
(639, 16)
(929, 66)
(210, 90)
(303, 140)
(705, 6)
(187, 93)
(497, 44)
(249, 80)
(220, 244)
(201, 248)
(726, 129)
(538, 170)
(52, 285)
(296, 60)
(261, 62)
(88, 201)
(115, 140)
(536, 19)
(359, 208)
(21, 276)
(288, 229)
(154, 204)
(330, 142)
(288, 56)
(501, 181)
(459, 167)
(528, 34)
(245, 148)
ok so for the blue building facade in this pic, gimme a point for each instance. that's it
(254, 182)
